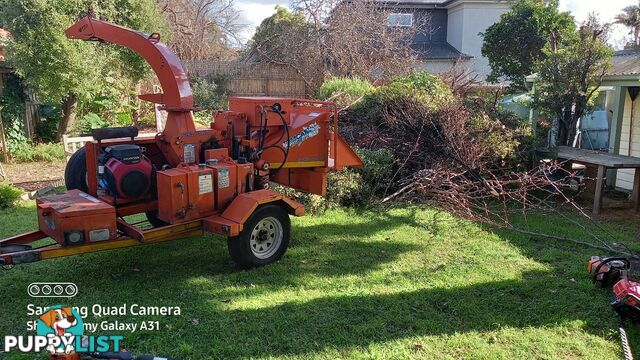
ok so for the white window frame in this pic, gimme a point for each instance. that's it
(398, 22)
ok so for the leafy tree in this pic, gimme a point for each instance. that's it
(63, 70)
(515, 44)
(630, 17)
(279, 37)
(570, 75)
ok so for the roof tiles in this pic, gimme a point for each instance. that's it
(625, 62)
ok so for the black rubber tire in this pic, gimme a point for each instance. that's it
(240, 246)
(75, 174)
(152, 216)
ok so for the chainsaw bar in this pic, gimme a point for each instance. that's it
(624, 339)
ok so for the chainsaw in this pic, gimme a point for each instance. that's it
(625, 300)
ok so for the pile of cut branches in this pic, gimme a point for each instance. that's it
(464, 156)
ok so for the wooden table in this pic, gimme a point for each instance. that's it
(603, 161)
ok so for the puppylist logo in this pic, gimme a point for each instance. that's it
(60, 330)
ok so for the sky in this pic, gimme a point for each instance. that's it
(606, 9)
(252, 12)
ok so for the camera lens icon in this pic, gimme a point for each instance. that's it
(33, 290)
(41, 289)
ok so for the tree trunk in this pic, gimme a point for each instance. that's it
(564, 129)
(578, 113)
(3, 143)
(69, 106)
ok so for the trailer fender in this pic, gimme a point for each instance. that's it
(231, 221)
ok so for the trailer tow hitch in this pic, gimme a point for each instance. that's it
(20, 254)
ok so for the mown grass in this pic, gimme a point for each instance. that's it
(393, 284)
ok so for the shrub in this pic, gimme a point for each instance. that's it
(90, 121)
(9, 194)
(47, 127)
(360, 187)
(345, 91)
(350, 187)
(12, 105)
(28, 152)
(391, 100)
(313, 204)
(208, 95)
(428, 89)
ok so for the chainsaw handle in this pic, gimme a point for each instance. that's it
(626, 262)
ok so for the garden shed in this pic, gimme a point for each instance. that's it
(622, 89)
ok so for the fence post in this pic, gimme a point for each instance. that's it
(31, 113)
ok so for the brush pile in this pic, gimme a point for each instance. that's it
(459, 153)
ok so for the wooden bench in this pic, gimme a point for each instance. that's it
(73, 144)
(603, 161)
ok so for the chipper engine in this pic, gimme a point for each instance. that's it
(187, 180)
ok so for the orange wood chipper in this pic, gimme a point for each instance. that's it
(187, 180)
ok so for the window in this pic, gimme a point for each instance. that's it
(397, 19)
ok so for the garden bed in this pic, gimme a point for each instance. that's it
(34, 175)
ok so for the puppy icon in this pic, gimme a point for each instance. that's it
(59, 320)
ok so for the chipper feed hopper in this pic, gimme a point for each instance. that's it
(187, 180)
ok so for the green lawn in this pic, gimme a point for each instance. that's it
(395, 284)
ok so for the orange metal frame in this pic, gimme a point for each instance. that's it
(249, 124)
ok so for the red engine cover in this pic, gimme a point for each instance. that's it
(629, 290)
(129, 181)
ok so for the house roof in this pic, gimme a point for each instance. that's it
(625, 63)
(427, 3)
(438, 51)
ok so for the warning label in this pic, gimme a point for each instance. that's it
(205, 184)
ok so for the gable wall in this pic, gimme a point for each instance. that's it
(467, 19)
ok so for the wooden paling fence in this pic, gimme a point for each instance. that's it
(251, 79)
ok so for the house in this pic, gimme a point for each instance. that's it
(617, 111)
(456, 27)
(621, 99)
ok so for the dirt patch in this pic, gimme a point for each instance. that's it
(34, 176)
(617, 213)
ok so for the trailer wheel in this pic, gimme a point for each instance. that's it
(264, 238)
(75, 174)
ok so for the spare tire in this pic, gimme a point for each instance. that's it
(75, 174)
